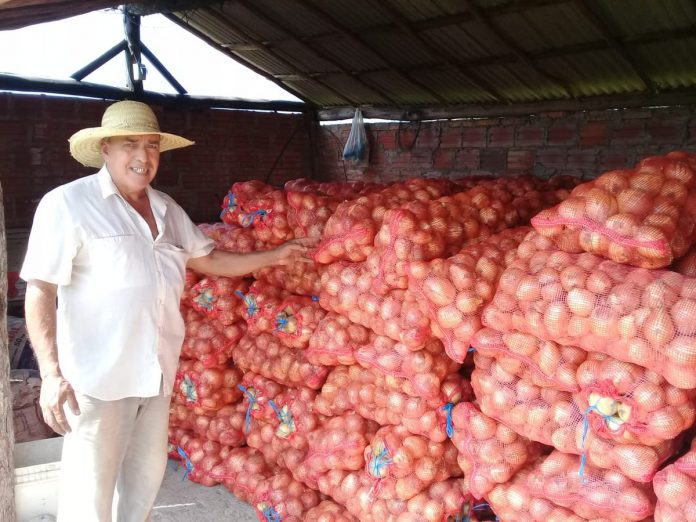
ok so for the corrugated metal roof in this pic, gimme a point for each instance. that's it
(451, 55)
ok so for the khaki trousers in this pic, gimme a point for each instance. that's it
(113, 459)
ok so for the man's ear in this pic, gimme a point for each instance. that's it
(103, 147)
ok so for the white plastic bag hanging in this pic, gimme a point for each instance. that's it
(356, 145)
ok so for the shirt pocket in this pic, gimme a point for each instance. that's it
(172, 259)
(120, 261)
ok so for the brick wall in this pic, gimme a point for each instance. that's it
(231, 146)
(583, 144)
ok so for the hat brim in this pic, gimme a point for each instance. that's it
(85, 144)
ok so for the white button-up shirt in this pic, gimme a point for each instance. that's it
(119, 328)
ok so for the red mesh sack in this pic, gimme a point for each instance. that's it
(631, 404)
(594, 494)
(351, 290)
(258, 305)
(268, 215)
(686, 265)
(633, 314)
(329, 511)
(490, 453)
(453, 291)
(544, 363)
(266, 355)
(675, 487)
(335, 341)
(215, 297)
(208, 340)
(350, 232)
(243, 472)
(238, 240)
(337, 443)
(284, 498)
(382, 399)
(200, 456)
(309, 213)
(639, 216)
(514, 501)
(237, 198)
(295, 320)
(189, 283)
(224, 425)
(258, 390)
(552, 417)
(401, 464)
(425, 369)
(341, 191)
(206, 390)
(297, 278)
(174, 435)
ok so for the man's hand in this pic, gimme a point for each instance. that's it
(296, 250)
(55, 392)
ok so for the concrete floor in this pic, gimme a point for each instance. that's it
(185, 501)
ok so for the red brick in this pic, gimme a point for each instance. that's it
(451, 138)
(612, 160)
(474, 137)
(520, 159)
(552, 157)
(632, 131)
(593, 134)
(501, 136)
(493, 161)
(583, 159)
(468, 158)
(428, 136)
(530, 136)
(563, 133)
(661, 131)
(444, 159)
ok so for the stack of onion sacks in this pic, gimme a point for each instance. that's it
(675, 487)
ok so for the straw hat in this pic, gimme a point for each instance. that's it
(124, 118)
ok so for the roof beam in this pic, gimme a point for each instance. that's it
(598, 22)
(405, 26)
(280, 27)
(343, 30)
(483, 19)
(478, 110)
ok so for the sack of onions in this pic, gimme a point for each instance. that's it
(401, 464)
(632, 314)
(283, 498)
(215, 297)
(686, 265)
(309, 213)
(295, 319)
(424, 369)
(296, 278)
(239, 240)
(240, 194)
(631, 404)
(258, 390)
(513, 501)
(338, 443)
(226, 426)
(349, 233)
(340, 191)
(208, 340)
(184, 418)
(490, 453)
(258, 304)
(278, 451)
(266, 355)
(553, 418)
(189, 283)
(544, 363)
(630, 216)
(452, 292)
(329, 511)
(335, 341)
(243, 471)
(675, 487)
(589, 491)
(268, 215)
(174, 435)
(200, 456)
(351, 290)
(206, 390)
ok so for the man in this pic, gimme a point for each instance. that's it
(114, 251)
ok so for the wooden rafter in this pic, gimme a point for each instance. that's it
(598, 22)
(297, 39)
(438, 53)
(343, 30)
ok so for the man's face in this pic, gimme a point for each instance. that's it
(132, 161)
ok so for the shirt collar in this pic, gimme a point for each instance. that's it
(109, 188)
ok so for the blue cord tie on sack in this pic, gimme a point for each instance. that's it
(271, 514)
(205, 299)
(378, 462)
(252, 401)
(315, 298)
(448, 410)
(471, 349)
(189, 466)
(585, 429)
(189, 388)
(479, 507)
(249, 218)
(231, 204)
(250, 301)
(281, 321)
